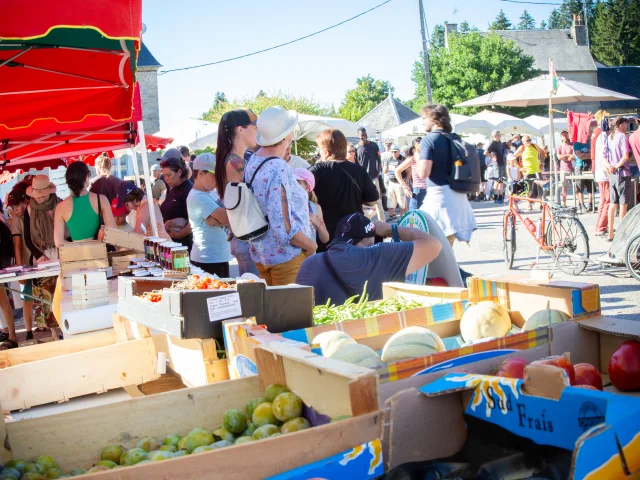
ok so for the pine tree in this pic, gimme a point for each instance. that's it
(615, 32)
(464, 27)
(437, 37)
(543, 25)
(501, 22)
(556, 20)
(527, 22)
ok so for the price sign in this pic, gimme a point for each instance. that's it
(224, 307)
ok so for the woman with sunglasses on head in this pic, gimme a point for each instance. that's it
(236, 141)
(530, 153)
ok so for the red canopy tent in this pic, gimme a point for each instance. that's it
(66, 63)
(93, 135)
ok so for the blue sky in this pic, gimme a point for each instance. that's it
(383, 43)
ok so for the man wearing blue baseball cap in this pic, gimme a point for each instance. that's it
(354, 258)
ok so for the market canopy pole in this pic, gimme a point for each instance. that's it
(147, 178)
(552, 154)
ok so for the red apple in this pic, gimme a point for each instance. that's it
(587, 374)
(560, 362)
(512, 368)
(624, 366)
(586, 387)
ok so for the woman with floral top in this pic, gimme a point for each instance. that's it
(279, 253)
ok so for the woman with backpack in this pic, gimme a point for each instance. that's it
(279, 252)
(450, 209)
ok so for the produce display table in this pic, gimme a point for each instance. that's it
(52, 271)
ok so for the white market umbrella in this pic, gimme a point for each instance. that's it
(187, 131)
(536, 92)
(203, 142)
(309, 126)
(503, 122)
(416, 127)
(547, 90)
(543, 123)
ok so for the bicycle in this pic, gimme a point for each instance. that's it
(559, 233)
(632, 257)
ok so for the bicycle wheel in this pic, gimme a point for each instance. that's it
(570, 245)
(632, 257)
(509, 239)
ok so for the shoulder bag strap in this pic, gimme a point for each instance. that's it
(100, 219)
(353, 180)
(258, 169)
(348, 291)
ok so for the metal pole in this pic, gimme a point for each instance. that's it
(136, 170)
(147, 179)
(554, 190)
(425, 52)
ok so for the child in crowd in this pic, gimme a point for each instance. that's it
(307, 181)
(513, 172)
(120, 216)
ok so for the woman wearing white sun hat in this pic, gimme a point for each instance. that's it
(279, 253)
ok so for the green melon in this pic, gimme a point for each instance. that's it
(544, 318)
(484, 320)
(330, 341)
(357, 354)
(411, 342)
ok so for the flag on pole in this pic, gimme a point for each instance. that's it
(554, 78)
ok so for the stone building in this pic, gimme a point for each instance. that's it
(147, 77)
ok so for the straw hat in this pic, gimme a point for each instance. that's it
(40, 187)
(274, 124)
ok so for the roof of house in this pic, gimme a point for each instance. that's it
(556, 44)
(146, 58)
(623, 80)
(387, 114)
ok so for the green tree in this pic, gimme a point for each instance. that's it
(437, 37)
(527, 22)
(263, 100)
(473, 65)
(543, 25)
(501, 22)
(219, 98)
(464, 27)
(615, 32)
(358, 101)
(556, 20)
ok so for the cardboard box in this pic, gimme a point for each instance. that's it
(411, 412)
(76, 438)
(523, 297)
(186, 313)
(241, 338)
(122, 239)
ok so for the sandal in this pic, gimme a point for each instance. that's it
(4, 336)
(8, 345)
(30, 335)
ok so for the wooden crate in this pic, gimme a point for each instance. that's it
(122, 239)
(84, 250)
(75, 439)
(58, 371)
(195, 361)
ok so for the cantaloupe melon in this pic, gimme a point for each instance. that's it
(544, 318)
(484, 320)
(411, 342)
(330, 341)
(358, 355)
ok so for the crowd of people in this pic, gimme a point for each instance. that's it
(327, 222)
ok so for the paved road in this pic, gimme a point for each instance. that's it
(620, 293)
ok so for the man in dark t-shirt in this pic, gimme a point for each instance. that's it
(368, 156)
(355, 259)
(496, 151)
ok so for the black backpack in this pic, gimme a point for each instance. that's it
(464, 174)
(6, 245)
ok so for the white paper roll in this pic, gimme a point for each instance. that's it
(161, 369)
(88, 320)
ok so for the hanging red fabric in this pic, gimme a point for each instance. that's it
(579, 124)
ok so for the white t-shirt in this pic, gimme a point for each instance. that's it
(599, 164)
(210, 244)
(298, 162)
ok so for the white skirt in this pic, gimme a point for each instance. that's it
(451, 210)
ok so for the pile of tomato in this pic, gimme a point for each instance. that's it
(208, 283)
